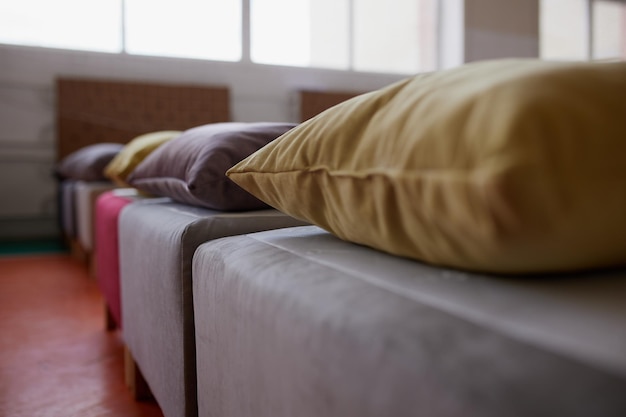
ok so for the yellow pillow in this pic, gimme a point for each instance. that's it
(134, 152)
(509, 166)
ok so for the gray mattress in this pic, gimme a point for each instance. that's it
(295, 322)
(156, 244)
(67, 217)
(85, 196)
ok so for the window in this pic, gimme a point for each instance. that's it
(563, 29)
(72, 24)
(583, 29)
(609, 29)
(364, 35)
(285, 38)
(204, 29)
(389, 36)
(394, 39)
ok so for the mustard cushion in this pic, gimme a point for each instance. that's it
(134, 152)
(509, 166)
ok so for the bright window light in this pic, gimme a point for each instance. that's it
(330, 38)
(396, 36)
(93, 25)
(280, 32)
(609, 30)
(563, 29)
(387, 36)
(398, 39)
(203, 29)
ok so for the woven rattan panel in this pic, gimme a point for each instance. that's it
(315, 102)
(96, 111)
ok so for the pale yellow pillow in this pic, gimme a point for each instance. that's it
(511, 166)
(134, 152)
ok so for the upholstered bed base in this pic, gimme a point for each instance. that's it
(109, 205)
(156, 244)
(295, 322)
(85, 195)
(67, 220)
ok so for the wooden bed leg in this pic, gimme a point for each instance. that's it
(109, 321)
(134, 379)
(91, 265)
(77, 252)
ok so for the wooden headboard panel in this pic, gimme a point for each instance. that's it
(315, 102)
(95, 111)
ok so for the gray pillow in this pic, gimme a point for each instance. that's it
(88, 163)
(191, 168)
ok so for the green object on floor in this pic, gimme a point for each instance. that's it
(32, 247)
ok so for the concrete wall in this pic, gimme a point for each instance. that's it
(492, 29)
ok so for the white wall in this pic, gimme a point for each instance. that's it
(258, 93)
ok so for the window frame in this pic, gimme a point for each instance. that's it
(245, 43)
(588, 30)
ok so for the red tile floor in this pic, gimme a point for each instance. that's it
(56, 359)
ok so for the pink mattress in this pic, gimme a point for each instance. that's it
(108, 207)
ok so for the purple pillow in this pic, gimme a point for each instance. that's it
(192, 167)
(88, 163)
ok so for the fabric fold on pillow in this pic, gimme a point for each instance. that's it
(506, 166)
(191, 168)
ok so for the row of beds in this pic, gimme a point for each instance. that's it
(259, 314)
